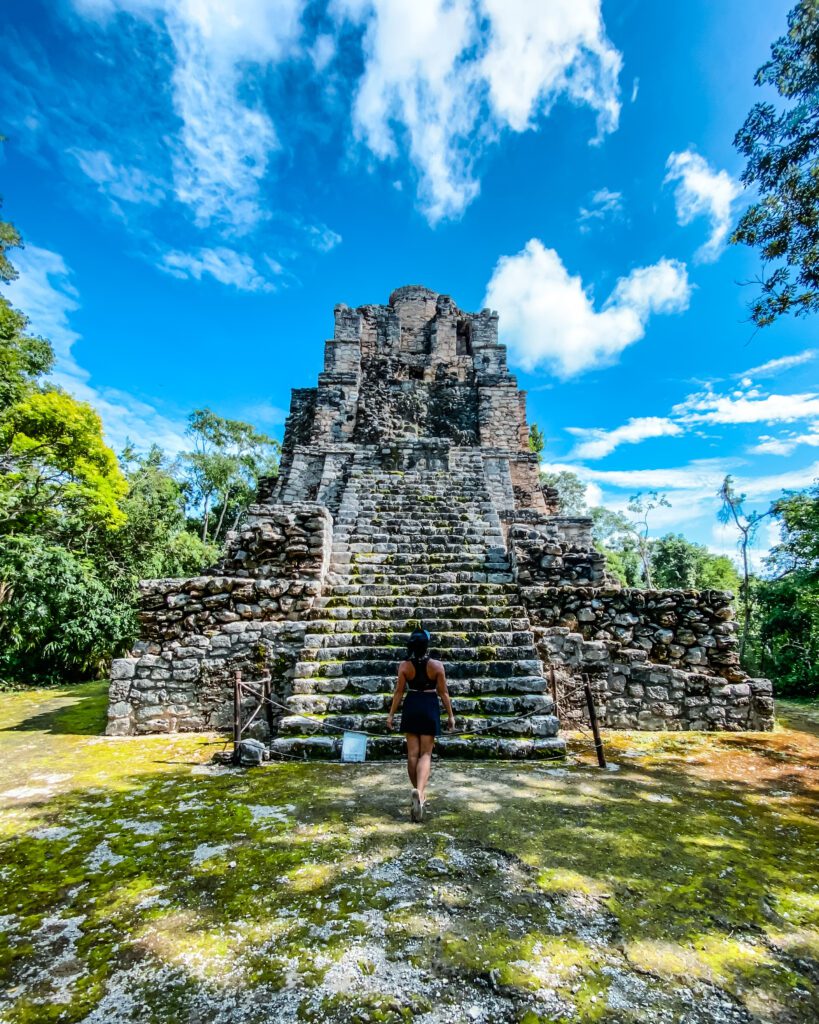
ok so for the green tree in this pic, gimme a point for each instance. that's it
(154, 540)
(788, 602)
(614, 537)
(641, 506)
(57, 475)
(23, 359)
(782, 152)
(746, 524)
(58, 621)
(61, 490)
(571, 491)
(678, 563)
(224, 467)
(537, 441)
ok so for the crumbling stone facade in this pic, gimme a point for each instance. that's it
(407, 493)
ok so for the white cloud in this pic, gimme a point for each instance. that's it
(441, 80)
(45, 293)
(787, 443)
(549, 319)
(323, 238)
(603, 204)
(226, 134)
(596, 443)
(538, 52)
(777, 366)
(450, 76)
(126, 183)
(702, 191)
(700, 475)
(224, 265)
(745, 407)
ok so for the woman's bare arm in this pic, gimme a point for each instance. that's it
(443, 693)
(399, 693)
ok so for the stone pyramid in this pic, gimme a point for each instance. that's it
(407, 494)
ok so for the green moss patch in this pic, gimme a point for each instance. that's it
(139, 882)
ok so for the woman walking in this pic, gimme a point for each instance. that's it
(425, 680)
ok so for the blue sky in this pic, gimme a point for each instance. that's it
(198, 183)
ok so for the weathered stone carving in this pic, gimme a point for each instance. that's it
(407, 493)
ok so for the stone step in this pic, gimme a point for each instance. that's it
(498, 725)
(406, 624)
(410, 590)
(433, 545)
(406, 616)
(326, 748)
(386, 667)
(372, 540)
(370, 703)
(444, 641)
(394, 653)
(351, 597)
(385, 684)
(400, 579)
(397, 516)
(420, 561)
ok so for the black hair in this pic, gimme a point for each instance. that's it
(418, 644)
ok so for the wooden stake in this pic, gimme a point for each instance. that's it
(267, 686)
(237, 708)
(598, 743)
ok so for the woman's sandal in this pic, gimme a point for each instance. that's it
(416, 807)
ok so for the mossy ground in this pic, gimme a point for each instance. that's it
(140, 883)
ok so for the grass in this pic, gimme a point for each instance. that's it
(140, 883)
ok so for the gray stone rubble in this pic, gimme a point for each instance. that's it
(407, 494)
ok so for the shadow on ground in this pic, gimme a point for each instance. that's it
(78, 711)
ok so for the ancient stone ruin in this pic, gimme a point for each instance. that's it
(407, 494)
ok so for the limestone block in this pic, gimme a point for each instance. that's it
(123, 668)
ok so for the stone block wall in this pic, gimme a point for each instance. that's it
(631, 692)
(662, 659)
(249, 613)
(553, 551)
(683, 628)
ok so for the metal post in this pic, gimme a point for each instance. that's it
(598, 743)
(237, 708)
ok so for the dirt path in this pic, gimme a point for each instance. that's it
(140, 883)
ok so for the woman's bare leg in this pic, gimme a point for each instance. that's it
(424, 764)
(413, 749)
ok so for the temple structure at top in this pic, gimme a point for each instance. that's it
(407, 494)
(412, 371)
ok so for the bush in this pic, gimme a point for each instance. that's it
(58, 621)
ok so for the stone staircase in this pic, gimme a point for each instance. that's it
(419, 547)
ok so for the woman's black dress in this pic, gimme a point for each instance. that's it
(421, 713)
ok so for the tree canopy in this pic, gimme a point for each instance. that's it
(782, 151)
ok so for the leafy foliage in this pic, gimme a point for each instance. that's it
(746, 524)
(571, 491)
(57, 467)
(787, 631)
(537, 441)
(58, 620)
(782, 151)
(679, 563)
(224, 467)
